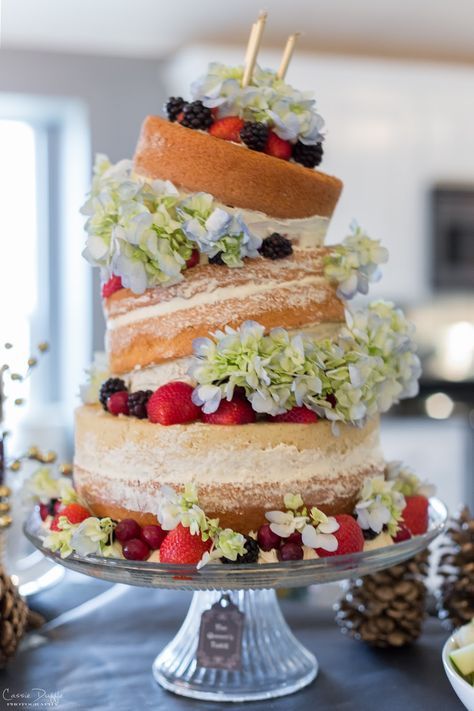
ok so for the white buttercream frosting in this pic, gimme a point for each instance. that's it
(207, 298)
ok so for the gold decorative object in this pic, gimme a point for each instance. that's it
(66, 469)
(456, 567)
(386, 609)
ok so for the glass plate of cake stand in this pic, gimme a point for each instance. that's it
(242, 650)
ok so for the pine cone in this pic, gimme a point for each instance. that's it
(386, 609)
(456, 567)
(13, 618)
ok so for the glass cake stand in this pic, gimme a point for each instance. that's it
(242, 650)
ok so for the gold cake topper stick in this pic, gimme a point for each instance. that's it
(255, 39)
(287, 54)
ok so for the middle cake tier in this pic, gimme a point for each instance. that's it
(161, 324)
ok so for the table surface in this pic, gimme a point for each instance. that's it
(101, 640)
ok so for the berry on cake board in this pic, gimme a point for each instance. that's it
(180, 546)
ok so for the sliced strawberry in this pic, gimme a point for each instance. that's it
(349, 537)
(236, 412)
(193, 259)
(277, 147)
(180, 546)
(111, 286)
(415, 514)
(227, 128)
(302, 415)
(171, 404)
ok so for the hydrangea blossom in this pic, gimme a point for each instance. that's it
(354, 264)
(317, 530)
(145, 231)
(93, 536)
(215, 230)
(365, 369)
(182, 508)
(43, 485)
(380, 505)
(97, 374)
(406, 481)
(291, 113)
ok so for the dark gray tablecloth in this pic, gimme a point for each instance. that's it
(101, 659)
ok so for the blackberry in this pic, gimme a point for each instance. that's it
(254, 135)
(276, 247)
(196, 115)
(217, 259)
(137, 402)
(369, 534)
(174, 106)
(111, 386)
(251, 554)
(309, 156)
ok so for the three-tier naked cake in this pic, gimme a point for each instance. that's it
(240, 398)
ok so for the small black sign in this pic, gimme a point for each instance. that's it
(220, 636)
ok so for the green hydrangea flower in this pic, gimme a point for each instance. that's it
(291, 113)
(354, 264)
(367, 367)
(145, 232)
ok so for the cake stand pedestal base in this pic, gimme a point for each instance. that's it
(270, 661)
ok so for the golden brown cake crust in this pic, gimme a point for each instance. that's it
(234, 175)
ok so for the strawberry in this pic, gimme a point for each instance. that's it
(193, 259)
(415, 514)
(180, 546)
(75, 513)
(111, 286)
(227, 128)
(403, 533)
(302, 415)
(277, 147)
(117, 403)
(349, 537)
(171, 404)
(236, 412)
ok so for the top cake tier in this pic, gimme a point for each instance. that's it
(196, 161)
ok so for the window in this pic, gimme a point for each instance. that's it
(19, 243)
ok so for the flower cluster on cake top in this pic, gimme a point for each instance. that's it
(266, 114)
(185, 534)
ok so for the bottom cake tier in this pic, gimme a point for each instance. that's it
(240, 471)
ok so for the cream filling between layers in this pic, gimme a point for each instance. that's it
(207, 298)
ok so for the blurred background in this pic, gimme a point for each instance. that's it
(395, 84)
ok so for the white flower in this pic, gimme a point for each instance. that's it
(169, 509)
(380, 505)
(97, 374)
(285, 523)
(87, 537)
(291, 113)
(40, 487)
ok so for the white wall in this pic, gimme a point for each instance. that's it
(393, 130)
